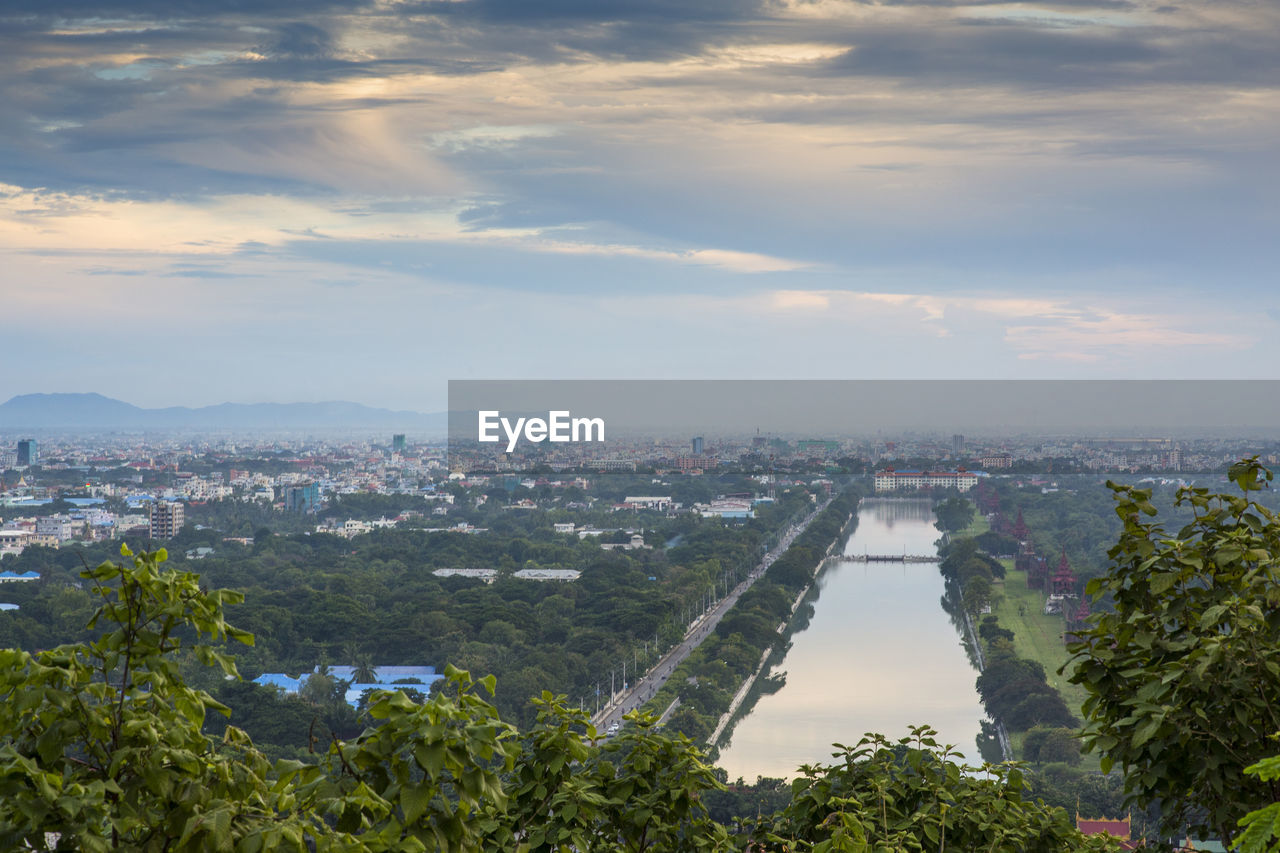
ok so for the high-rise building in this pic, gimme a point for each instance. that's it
(397, 442)
(27, 453)
(304, 498)
(697, 445)
(957, 444)
(167, 518)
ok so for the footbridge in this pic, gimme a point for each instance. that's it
(887, 558)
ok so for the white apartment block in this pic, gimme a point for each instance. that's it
(890, 480)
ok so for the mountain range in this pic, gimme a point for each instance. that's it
(96, 412)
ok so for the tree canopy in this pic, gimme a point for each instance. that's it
(102, 748)
(1183, 669)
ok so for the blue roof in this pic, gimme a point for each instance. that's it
(386, 674)
(19, 576)
(354, 691)
(279, 679)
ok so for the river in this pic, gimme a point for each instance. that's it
(879, 654)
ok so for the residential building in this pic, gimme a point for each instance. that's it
(166, 519)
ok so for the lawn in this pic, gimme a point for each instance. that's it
(1035, 635)
(977, 527)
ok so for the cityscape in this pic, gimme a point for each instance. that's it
(783, 426)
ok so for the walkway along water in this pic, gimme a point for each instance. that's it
(638, 694)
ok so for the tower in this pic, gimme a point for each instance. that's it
(1064, 580)
(28, 455)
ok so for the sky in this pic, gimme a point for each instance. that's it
(223, 200)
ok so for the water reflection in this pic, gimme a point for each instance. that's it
(879, 654)
(890, 510)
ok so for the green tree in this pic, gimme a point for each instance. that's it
(912, 796)
(101, 745)
(363, 671)
(1184, 673)
(953, 514)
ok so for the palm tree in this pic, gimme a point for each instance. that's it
(362, 671)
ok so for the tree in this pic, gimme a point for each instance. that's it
(977, 593)
(912, 796)
(101, 745)
(953, 514)
(363, 671)
(101, 749)
(1184, 673)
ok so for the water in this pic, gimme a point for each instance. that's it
(880, 654)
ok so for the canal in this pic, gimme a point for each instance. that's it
(879, 654)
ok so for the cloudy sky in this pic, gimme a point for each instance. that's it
(251, 200)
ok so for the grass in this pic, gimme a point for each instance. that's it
(1036, 636)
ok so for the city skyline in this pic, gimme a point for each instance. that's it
(361, 200)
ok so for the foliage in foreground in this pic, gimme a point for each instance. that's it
(101, 748)
(1184, 671)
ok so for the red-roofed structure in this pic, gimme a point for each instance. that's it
(1064, 580)
(1119, 829)
(1020, 531)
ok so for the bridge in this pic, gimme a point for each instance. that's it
(887, 558)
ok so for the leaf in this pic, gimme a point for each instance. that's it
(414, 800)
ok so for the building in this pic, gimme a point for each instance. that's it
(726, 508)
(697, 445)
(397, 443)
(391, 678)
(662, 503)
(997, 460)
(890, 480)
(57, 526)
(815, 445)
(1117, 829)
(13, 541)
(28, 454)
(957, 444)
(166, 519)
(303, 498)
(614, 464)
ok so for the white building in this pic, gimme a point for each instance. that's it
(662, 504)
(13, 541)
(57, 526)
(890, 480)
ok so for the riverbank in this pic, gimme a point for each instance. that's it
(745, 698)
(727, 653)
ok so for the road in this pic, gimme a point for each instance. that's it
(642, 691)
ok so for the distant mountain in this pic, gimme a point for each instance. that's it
(93, 412)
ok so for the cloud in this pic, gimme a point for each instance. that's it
(1098, 334)
(301, 41)
(974, 174)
